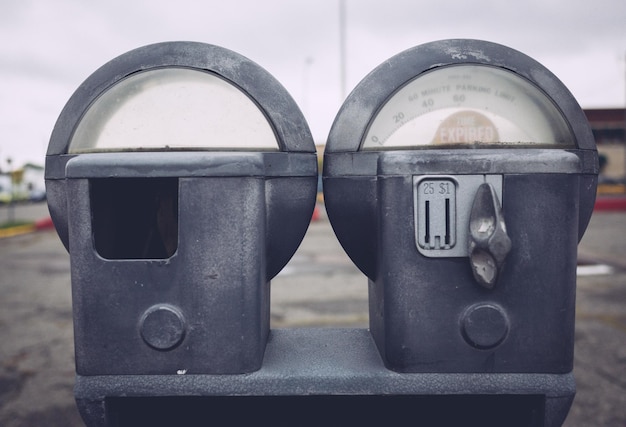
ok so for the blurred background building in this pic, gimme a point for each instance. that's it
(609, 130)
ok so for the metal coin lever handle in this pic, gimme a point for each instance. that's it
(488, 242)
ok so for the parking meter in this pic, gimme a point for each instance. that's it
(181, 177)
(459, 177)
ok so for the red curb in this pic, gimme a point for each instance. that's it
(610, 204)
(44, 224)
(316, 214)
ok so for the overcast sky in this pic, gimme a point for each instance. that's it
(49, 47)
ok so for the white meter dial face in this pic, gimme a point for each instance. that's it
(173, 109)
(467, 105)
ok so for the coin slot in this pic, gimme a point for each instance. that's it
(427, 222)
(437, 212)
(447, 222)
(442, 206)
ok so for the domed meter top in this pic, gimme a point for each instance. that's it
(175, 109)
(470, 105)
(179, 109)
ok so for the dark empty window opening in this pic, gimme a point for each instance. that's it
(135, 218)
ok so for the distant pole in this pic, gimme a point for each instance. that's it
(308, 61)
(11, 207)
(342, 48)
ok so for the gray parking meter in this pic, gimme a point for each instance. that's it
(459, 177)
(181, 177)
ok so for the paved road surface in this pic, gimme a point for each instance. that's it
(319, 288)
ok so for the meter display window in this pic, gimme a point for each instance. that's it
(173, 109)
(467, 105)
